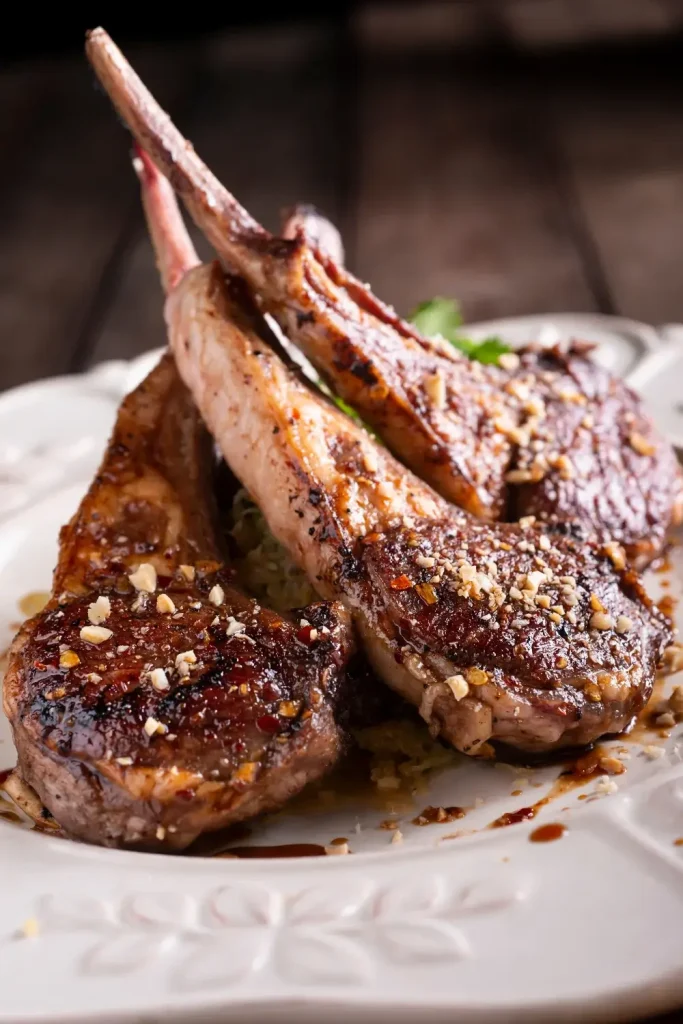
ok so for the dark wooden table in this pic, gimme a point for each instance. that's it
(461, 154)
(465, 150)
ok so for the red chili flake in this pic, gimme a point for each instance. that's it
(39, 665)
(269, 724)
(401, 583)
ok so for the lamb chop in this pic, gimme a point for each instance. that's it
(547, 433)
(495, 631)
(152, 700)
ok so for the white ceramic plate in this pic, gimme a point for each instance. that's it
(485, 926)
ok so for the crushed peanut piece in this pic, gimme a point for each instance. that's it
(640, 444)
(602, 621)
(165, 605)
(234, 626)
(435, 388)
(337, 848)
(144, 578)
(397, 837)
(95, 634)
(611, 765)
(99, 610)
(189, 572)
(217, 595)
(616, 554)
(508, 360)
(152, 726)
(289, 708)
(125, 761)
(69, 659)
(159, 680)
(624, 624)
(161, 833)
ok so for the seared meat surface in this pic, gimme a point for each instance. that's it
(495, 631)
(517, 633)
(553, 435)
(151, 700)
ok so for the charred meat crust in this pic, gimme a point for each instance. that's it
(516, 629)
(180, 717)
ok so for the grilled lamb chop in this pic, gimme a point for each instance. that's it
(152, 702)
(549, 434)
(499, 631)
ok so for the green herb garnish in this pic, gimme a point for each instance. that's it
(442, 317)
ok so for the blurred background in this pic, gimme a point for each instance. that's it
(519, 155)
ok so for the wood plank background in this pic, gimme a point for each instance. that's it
(521, 155)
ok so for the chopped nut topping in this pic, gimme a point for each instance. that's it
(165, 605)
(124, 761)
(508, 360)
(640, 444)
(370, 460)
(159, 679)
(94, 677)
(234, 626)
(605, 786)
(615, 553)
(425, 561)
(602, 621)
(564, 466)
(95, 634)
(337, 848)
(596, 604)
(144, 578)
(611, 765)
(185, 658)
(161, 833)
(519, 476)
(152, 726)
(527, 521)
(189, 572)
(652, 751)
(69, 659)
(533, 580)
(592, 691)
(544, 542)
(543, 601)
(676, 700)
(458, 686)
(665, 721)
(516, 594)
(99, 610)
(624, 624)
(397, 836)
(673, 658)
(217, 595)
(289, 708)
(435, 388)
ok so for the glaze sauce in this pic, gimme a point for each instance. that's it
(270, 852)
(548, 833)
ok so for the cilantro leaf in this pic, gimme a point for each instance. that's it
(442, 317)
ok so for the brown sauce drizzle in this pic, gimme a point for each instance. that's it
(270, 852)
(548, 833)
